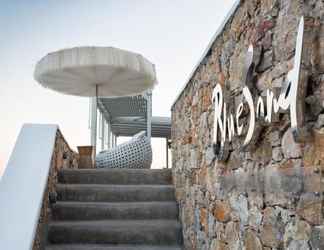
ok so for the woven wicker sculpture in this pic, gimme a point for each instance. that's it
(136, 153)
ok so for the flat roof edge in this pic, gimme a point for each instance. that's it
(215, 36)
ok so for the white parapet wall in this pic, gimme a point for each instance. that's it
(23, 184)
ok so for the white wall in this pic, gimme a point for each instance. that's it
(22, 185)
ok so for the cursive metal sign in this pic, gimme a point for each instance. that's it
(228, 124)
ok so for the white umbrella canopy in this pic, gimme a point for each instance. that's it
(77, 71)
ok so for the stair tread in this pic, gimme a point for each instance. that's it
(150, 232)
(113, 204)
(116, 176)
(127, 170)
(108, 186)
(110, 247)
(67, 210)
(110, 224)
(105, 187)
(113, 193)
(115, 185)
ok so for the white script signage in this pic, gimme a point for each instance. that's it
(227, 124)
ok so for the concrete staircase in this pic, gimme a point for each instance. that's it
(115, 209)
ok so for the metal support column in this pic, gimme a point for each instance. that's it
(149, 114)
(102, 133)
(109, 136)
(113, 140)
(94, 122)
(167, 152)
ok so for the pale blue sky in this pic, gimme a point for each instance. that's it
(171, 33)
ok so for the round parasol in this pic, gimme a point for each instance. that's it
(78, 71)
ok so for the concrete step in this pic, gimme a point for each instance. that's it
(73, 211)
(145, 232)
(116, 176)
(114, 193)
(109, 247)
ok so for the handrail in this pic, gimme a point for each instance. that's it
(23, 185)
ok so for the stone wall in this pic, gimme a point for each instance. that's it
(269, 195)
(63, 157)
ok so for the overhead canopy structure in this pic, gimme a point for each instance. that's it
(77, 71)
(128, 116)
